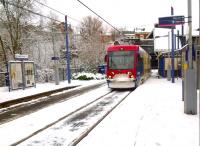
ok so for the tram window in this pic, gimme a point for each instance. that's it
(121, 60)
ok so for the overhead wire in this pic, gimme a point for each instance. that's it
(76, 19)
(56, 10)
(28, 10)
(99, 16)
(36, 13)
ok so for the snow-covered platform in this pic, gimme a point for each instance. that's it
(153, 115)
(6, 96)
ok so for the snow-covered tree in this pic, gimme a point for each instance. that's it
(91, 48)
(13, 17)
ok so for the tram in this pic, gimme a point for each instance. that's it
(127, 66)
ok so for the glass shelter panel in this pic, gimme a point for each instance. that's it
(29, 74)
(16, 78)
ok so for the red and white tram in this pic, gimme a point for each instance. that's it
(127, 66)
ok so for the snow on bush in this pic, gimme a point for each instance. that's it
(87, 76)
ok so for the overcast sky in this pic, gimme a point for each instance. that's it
(126, 13)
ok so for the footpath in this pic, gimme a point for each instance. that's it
(153, 115)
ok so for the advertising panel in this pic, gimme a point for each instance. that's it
(16, 79)
(29, 71)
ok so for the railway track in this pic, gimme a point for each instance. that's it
(78, 121)
(19, 107)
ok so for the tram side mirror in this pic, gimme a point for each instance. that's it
(105, 58)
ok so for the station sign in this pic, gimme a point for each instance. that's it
(171, 20)
(21, 57)
(54, 58)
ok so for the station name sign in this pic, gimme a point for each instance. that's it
(54, 58)
(21, 57)
(171, 21)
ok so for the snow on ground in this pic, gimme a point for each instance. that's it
(71, 128)
(5, 95)
(153, 115)
(27, 125)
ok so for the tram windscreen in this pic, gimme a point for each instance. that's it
(121, 60)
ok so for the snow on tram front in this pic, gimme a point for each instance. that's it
(127, 66)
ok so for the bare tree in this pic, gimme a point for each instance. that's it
(91, 47)
(13, 19)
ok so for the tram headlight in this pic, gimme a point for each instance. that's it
(109, 77)
(129, 73)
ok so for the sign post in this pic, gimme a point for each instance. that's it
(175, 21)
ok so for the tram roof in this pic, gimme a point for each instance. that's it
(123, 47)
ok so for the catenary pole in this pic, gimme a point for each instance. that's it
(68, 73)
(199, 62)
(173, 45)
(182, 62)
(190, 95)
(56, 73)
(190, 34)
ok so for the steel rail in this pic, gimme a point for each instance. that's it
(60, 119)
